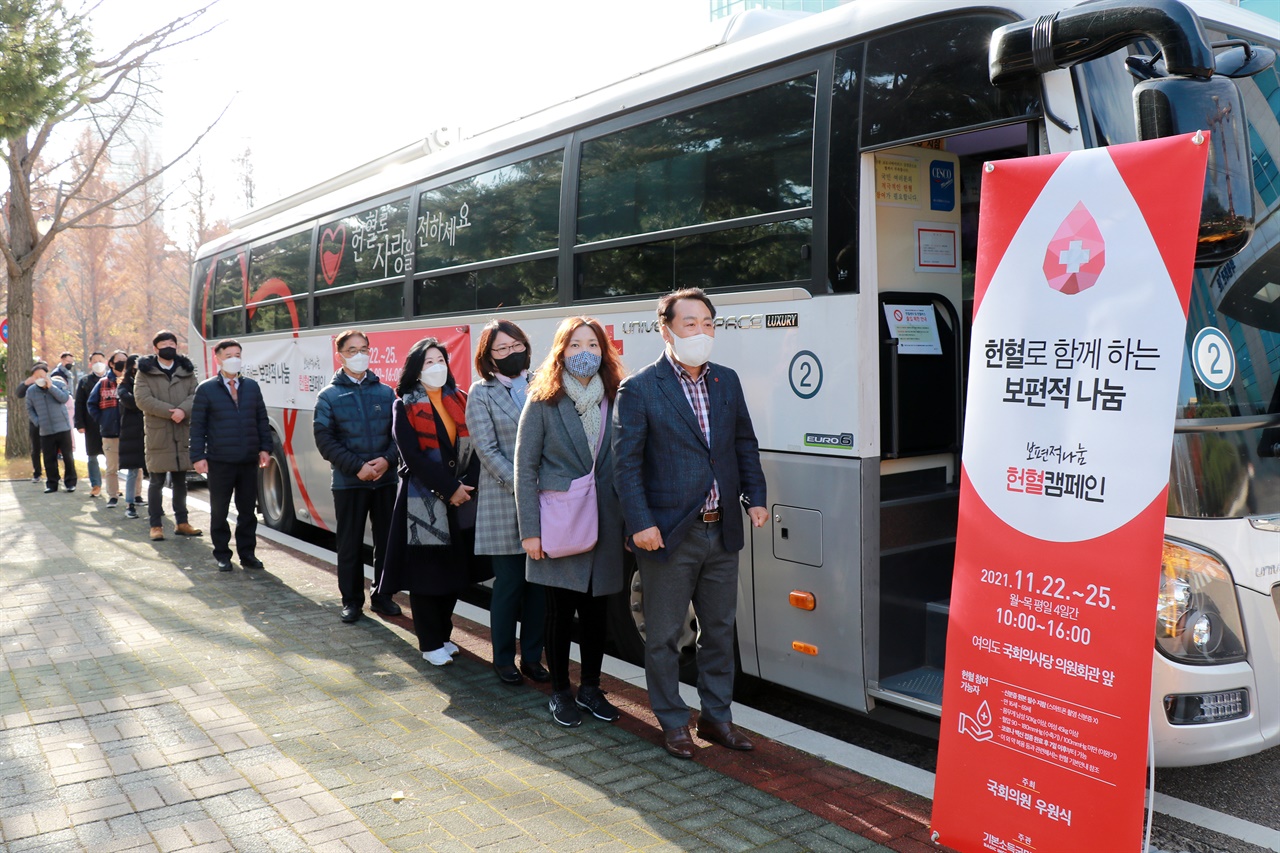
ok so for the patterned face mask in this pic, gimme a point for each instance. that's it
(583, 364)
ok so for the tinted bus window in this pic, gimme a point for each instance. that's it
(279, 268)
(229, 283)
(933, 78)
(528, 283)
(202, 288)
(752, 255)
(742, 156)
(371, 245)
(509, 211)
(353, 307)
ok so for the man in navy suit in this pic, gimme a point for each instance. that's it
(685, 455)
(230, 441)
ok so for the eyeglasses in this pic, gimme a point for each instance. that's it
(350, 351)
(118, 365)
(502, 351)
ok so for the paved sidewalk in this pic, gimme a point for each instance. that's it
(152, 703)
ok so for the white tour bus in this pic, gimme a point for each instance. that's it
(811, 177)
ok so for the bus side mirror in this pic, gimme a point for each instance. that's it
(1169, 106)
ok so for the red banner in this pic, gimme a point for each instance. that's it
(387, 352)
(1083, 275)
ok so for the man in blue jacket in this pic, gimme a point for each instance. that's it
(685, 457)
(47, 396)
(352, 426)
(230, 441)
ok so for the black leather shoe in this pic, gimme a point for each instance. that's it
(508, 673)
(350, 613)
(224, 565)
(251, 563)
(50, 490)
(385, 605)
(535, 671)
(725, 735)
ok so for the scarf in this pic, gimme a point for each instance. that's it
(107, 392)
(586, 399)
(417, 406)
(517, 386)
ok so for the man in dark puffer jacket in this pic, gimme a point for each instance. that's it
(353, 432)
(230, 440)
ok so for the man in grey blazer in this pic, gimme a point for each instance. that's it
(685, 455)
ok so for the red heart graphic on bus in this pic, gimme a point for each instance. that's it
(330, 257)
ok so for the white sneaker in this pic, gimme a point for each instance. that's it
(438, 657)
(450, 648)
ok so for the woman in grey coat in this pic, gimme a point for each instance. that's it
(494, 404)
(565, 426)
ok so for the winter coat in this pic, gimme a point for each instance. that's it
(442, 570)
(103, 406)
(155, 393)
(352, 425)
(132, 443)
(553, 450)
(50, 403)
(226, 430)
(92, 437)
(493, 418)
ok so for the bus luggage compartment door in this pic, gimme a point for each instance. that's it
(812, 547)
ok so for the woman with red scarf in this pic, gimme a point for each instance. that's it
(433, 527)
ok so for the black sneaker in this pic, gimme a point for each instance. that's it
(139, 500)
(131, 511)
(113, 503)
(563, 711)
(591, 700)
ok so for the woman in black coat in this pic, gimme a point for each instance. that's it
(430, 556)
(132, 445)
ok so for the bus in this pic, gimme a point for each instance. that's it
(815, 179)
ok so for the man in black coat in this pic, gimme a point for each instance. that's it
(230, 440)
(88, 427)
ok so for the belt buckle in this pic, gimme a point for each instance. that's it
(709, 517)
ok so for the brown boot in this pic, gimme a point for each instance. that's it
(95, 491)
(157, 534)
(185, 529)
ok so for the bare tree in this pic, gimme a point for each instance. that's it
(247, 185)
(48, 78)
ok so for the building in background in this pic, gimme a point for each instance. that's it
(725, 8)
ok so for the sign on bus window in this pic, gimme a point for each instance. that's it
(367, 246)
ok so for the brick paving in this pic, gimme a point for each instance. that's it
(149, 702)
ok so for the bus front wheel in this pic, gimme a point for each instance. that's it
(275, 493)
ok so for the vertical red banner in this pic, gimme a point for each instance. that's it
(1084, 270)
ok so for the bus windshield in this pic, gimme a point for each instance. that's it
(1226, 458)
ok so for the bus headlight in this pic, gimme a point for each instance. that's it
(1197, 617)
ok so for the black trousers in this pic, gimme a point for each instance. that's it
(37, 450)
(51, 445)
(432, 619)
(352, 507)
(155, 497)
(226, 479)
(562, 604)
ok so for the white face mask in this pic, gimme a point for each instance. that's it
(435, 375)
(42, 382)
(99, 368)
(694, 350)
(231, 366)
(358, 363)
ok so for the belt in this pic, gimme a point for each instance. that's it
(709, 517)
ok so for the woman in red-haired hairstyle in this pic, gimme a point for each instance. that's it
(564, 429)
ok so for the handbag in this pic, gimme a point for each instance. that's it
(427, 512)
(571, 519)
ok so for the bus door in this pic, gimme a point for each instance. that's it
(922, 202)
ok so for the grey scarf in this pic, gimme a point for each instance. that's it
(586, 399)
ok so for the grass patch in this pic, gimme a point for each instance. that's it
(13, 469)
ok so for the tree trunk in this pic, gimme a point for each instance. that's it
(21, 273)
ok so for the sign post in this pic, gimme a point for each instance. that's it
(1083, 277)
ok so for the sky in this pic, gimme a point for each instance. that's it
(314, 89)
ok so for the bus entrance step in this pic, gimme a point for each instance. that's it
(923, 682)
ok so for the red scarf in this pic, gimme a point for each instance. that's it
(417, 406)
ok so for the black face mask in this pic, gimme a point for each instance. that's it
(118, 366)
(512, 363)
(168, 353)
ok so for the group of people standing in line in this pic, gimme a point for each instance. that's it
(451, 483)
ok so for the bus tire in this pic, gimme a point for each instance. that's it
(626, 620)
(275, 492)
